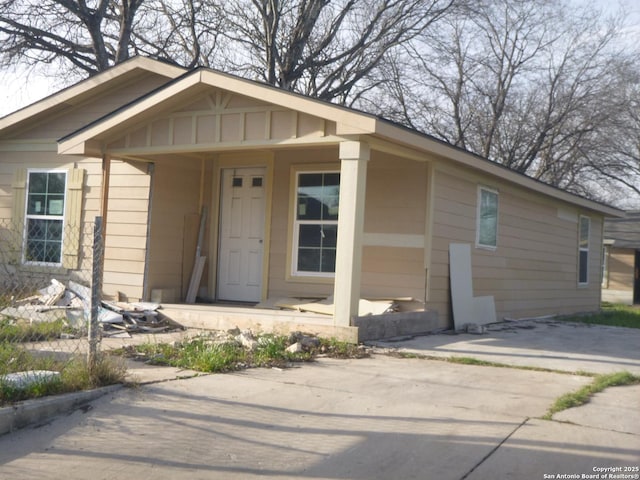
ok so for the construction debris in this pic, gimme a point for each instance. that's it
(325, 306)
(53, 303)
(27, 378)
(73, 304)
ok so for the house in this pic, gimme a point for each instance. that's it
(621, 264)
(296, 198)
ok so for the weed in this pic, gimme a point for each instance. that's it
(584, 394)
(611, 314)
(22, 331)
(338, 349)
(74, 374)
(485, 363)
(205, 354)
(204, 357)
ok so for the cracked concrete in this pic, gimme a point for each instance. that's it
(378, 418)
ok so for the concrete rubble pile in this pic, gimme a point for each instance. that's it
(72, 303)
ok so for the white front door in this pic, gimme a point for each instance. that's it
(242, 212)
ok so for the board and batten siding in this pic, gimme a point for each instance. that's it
(534, 269)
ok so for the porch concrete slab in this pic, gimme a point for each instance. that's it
(378, 418)
(616, 409)
(547, 343)
(225, 317)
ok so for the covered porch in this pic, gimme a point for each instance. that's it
(254, 194)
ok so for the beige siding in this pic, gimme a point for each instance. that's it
(533, 270)
(126, 234)
(175, 223)
(395, 208)
(10, 162)
(621, 269)
(13, 161)
(280, 243)
(77, 116)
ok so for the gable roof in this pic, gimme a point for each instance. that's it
(90, 87)
(623, 232)
(380, 133)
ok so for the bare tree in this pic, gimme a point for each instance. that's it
(91, 37)
(188, 33)
(531, 85)
(614, 155)
(325, 48)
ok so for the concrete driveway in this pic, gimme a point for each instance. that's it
(376, 418)
(549, 343)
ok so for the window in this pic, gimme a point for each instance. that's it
(605, 266)
(45, 217)
(315, 223)
(487, 227)
(583, 250)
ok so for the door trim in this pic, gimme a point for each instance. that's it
(240, 160)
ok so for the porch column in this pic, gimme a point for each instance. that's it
(104, 200)
(354, 156)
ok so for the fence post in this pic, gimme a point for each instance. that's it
(96, 293)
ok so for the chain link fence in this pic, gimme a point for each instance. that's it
(50, 279)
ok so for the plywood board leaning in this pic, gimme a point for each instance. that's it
(467, 309)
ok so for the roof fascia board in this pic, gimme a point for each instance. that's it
(441, 149)
(88, 84)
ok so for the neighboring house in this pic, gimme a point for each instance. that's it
(301, 198)
(621, 264)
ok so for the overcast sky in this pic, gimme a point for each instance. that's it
(18, 90)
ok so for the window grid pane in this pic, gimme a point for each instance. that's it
(317, 197)
(46, 193)
(45, 215)
(44, 241)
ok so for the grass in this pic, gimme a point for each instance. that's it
(486, 363)
(584, 394)
(205, 355)
(22, 331)
(74, 374)
(614, 315)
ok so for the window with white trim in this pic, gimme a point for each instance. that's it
(487, 221)
(44, 219)
(315, 223)
(605, 266)
(583, 250)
